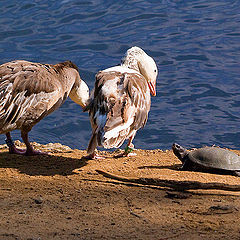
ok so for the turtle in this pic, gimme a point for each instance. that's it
(208, 159)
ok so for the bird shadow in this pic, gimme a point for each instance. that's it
(42, 165)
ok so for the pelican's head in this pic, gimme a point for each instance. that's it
(80, 94)
(137, 59)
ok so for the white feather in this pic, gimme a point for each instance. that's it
(110, 87)
(121, 69)
(113, 133)
(100, 119)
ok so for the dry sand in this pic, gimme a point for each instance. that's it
(64, 196)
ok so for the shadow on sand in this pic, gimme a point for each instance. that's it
(172, 184)
(42, 165)
(172, 167)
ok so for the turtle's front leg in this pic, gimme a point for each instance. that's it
(187, 166)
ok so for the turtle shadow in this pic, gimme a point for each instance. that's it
(172, 167)
(178, 167)
(42, 165)
(201, 169)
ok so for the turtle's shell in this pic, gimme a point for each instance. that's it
(214, 157)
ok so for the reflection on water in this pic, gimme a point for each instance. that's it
(195, 45)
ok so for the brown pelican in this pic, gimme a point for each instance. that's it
(121, 101)
(30, 91)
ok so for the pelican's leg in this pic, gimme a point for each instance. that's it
(91, 150)
(30, 151)
(128, 149)
(11, 146)
(94, 155)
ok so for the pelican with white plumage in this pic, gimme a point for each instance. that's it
(121, 100)
(30, 91)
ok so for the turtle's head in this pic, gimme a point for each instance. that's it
(180, 152)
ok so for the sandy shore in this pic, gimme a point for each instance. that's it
(65, 196)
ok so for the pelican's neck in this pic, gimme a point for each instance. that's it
(131, 63)
(132, 57)
(80, 92)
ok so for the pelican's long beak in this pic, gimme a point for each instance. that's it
(152, 87)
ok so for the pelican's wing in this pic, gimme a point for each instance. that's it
(28, 92)
(120, 106)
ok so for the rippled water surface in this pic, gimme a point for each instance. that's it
(196, 45)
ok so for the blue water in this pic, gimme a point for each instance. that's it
(196, 45)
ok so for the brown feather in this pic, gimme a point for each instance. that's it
(132, 94)
(30, 91)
